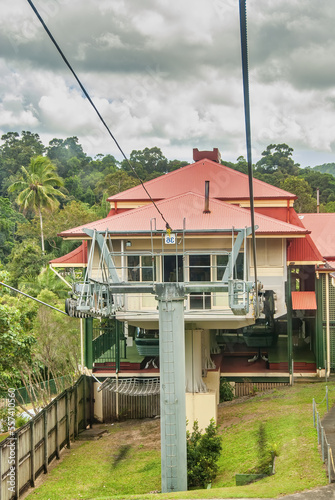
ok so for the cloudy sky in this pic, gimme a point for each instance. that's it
(168, 74)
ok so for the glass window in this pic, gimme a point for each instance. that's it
(140, 268)
(147, 264)
(133, 268)
(200, 268)
(222, 263)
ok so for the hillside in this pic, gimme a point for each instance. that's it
(326, 168)
(126, 463)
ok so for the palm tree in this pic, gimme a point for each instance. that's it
(37, 188)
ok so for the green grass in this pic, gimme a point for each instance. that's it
(4, 436)
(126, 463)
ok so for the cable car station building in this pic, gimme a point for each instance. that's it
(130, 254)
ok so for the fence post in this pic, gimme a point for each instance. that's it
(327, 398)
(1, 448)
(32, 453)
(322, 444)
(326, 368)
(57, 428)
(84, 402)
(75, 411)
(67, 402)
(45, 441)
(292, 372)
(91, 386)
(314, 413)
(17, 466)
(329, 467)
(317, 426)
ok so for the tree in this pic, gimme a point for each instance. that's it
(277, 157)
(305, 202)
(322, 181)
(71, 215)
(16, 341)
(203, 452)
(37, 188)
(68, 155)
(15, 152)
(115, 183)
(147, 162)
(9, 219)
(25, 262)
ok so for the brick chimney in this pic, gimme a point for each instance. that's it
(214, 155)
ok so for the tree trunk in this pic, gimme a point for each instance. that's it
(42, 235)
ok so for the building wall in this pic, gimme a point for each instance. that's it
(201, 407)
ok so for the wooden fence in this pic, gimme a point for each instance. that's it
(29, 450)
(249, 388)
(129, 406)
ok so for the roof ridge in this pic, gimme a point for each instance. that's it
(153, 182)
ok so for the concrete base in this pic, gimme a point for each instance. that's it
(212, 382)
(202, 407)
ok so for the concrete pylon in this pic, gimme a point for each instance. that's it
(170, 298)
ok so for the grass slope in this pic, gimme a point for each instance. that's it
(126, 463)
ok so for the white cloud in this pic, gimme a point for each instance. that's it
(169, 74)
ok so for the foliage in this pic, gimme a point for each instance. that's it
(15, 152)
(58, 338)
(75, 213)
(9, 219)
(226, 391)
(326, 168)
(277, 157)
(298, 186)
(203, 452)
(264, 453)
(26, 262)
(115, 183)
(37, 188)
(46, 280)
(16, 342)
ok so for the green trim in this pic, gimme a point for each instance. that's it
(261, 380)
(88, 338)
(319, 351)
(289, 320)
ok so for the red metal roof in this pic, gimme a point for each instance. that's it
(304, 250)
(303, 301)
(225, 184)
(76, 258)
(322, 227)
(189, 206)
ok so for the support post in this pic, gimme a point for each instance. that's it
(32, 453)
(67, 410)
(91, 402)
(57, 428)
(289, 323)
(84, 402)
(117, 345)
(17, 466)
(322, 444)
(75, 433)
(46, 441)
(170, 298)
(88, 343)
(318, 325)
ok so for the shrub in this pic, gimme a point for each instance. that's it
(226, 391)
(203, 452)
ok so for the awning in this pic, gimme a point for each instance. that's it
(303, 301)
